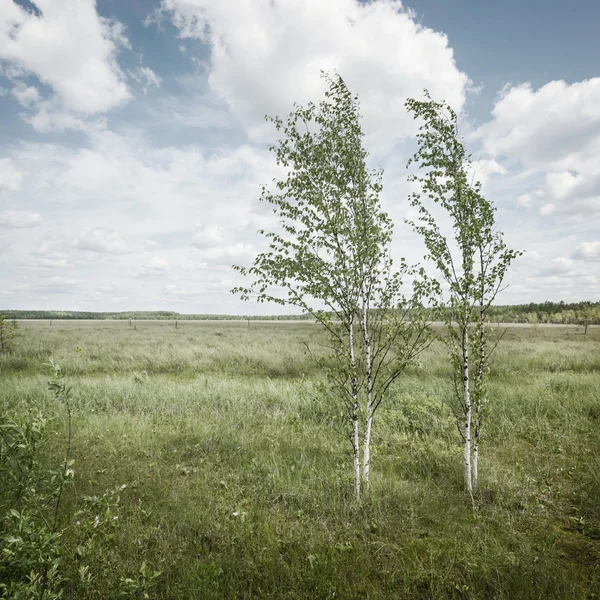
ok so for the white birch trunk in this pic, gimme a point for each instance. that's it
(369, 376)
(479, 402)
(355, 431)
(467, 406)
(476, 445)
(367, 451)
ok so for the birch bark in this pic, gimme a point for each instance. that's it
(369, 382)
(467, 401)
(479, 396)
(355, 424)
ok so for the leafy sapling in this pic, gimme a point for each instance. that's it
(472, 262)
(331, 259)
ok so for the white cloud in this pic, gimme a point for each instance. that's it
(140, 222)
(49, 117)
(124, 185)
(133, 192)
(146, 77)
(106, 241)
(557, 266)
(587, 251)
(484, 170)
(20, 218)
(208, 236)
(554, 132)
(10, 176)
(153, 267)
(67, 46)
(525, 200)
(561, 185)
(27, 95)
(47, 256)
(549, 125)
(224, 255)
(261, 61)
(193, 105)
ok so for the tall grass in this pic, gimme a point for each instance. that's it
(239, 478)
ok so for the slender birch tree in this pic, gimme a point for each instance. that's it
(331, 258)
(472, 264)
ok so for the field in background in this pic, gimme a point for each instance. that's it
(238, 472)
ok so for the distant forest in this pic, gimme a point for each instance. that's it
(546, 312)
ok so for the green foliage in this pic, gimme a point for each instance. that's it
(420, 414)
(473, 273)
(31, 556)
(35, 533)
(140, 585)
(476, 273)
(332, 225)
(332, 259)
(30, 544)
(546, 312)
(8, 333)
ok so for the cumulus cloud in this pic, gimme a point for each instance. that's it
(261, 62)
(156, 265)
(158, 223)
(224, 255)
(47, 256)
(10, 176)
(557, 266)
(208, 236)
(547, 209)
(20, 218)
(484, 170)
(541, 275)
(554, 132)
(68, 47)
(106, 241)
(27, 95)
(589, 251)
(548, 125)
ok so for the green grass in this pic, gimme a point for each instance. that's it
(239, 479)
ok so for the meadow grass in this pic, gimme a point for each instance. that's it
(238, 470)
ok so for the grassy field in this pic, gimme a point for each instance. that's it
(238, 475)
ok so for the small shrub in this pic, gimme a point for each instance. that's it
(420, 414)
(8, 333)
(35, 558)
(139, 586)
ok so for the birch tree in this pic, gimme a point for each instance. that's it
(472, 262)
(331, 258)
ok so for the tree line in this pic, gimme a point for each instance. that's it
(137, 315)
(567, 313)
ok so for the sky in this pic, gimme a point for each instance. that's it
(133, 144)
